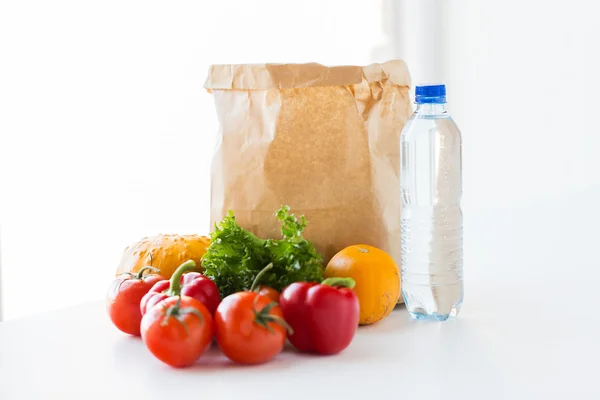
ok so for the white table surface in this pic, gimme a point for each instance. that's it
(529, 329)
(497, 350)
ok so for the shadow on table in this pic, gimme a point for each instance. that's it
(397, 320)
(215, 360)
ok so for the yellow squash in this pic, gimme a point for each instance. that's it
(164, 252)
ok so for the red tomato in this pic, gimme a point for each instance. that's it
(250, 328)
(124, 296)
(269, 292)
(178, 330)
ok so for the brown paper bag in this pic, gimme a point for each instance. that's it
(323, 140)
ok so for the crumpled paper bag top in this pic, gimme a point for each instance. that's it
(287, 76)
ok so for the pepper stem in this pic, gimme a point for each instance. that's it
(258, 277)
(339, 282)
(175, 281)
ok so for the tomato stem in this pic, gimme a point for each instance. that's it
(280, 321)
(140, 273)
(339, 282)
(175, 281)
(263, 318)
(262, 272)
(175, 311)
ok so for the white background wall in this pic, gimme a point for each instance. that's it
(527, 74)
(524, 83)
(106, 133)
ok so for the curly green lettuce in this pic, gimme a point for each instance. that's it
(235, 256)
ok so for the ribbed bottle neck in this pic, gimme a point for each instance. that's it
(431, 109)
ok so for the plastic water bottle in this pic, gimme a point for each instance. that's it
(431, 221)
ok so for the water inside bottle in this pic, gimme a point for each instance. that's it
(431, 222)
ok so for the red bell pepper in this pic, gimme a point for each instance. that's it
(184, 283)
(324, 317)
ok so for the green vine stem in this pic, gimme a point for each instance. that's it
(280, 321)
(254, 287)
(175, 281)
(175, 311)
(140, 273)
(339, 282)
(263, 317)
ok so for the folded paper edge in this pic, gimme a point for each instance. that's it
(394, 72)
(283, 76)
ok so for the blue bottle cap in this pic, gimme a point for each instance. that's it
(431, 93)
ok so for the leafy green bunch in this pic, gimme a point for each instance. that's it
(235, 256)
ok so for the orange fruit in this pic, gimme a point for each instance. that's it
(377, 279)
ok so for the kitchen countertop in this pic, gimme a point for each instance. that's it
(494, 350)
(529, 329)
